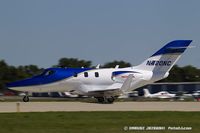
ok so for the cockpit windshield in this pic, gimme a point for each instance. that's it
(48, 73)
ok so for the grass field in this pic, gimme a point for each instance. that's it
(95, 122)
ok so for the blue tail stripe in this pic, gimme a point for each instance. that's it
(179, 46)
(116, 73)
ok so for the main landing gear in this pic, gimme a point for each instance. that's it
(105, 99)
(26, 99)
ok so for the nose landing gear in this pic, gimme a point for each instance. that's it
(26, 99)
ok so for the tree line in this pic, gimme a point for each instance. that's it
(9, 73)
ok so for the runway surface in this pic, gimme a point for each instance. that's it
(81, 106)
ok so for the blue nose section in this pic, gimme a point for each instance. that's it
(50, 75)
(26, 82)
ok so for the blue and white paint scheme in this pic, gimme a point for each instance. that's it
(107, 83)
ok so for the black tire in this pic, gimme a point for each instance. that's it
(26, 99)
(110, 100)
(100, 99)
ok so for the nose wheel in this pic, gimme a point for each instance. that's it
(26, 99)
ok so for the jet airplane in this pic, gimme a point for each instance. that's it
(159, 95)
(104, 84)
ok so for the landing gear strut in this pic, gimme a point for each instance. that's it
(26, 99)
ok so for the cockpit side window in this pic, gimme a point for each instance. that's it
(49, 72)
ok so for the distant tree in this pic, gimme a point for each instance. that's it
(191, 73)
(183, 74)
(176, 74)
(28, 71)
(12, 73)
(73, 62)
(121, 64)
(3, 73)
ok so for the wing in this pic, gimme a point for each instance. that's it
(114, 90)
(105, 93)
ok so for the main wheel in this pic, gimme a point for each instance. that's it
(100, 99)
(110, 100)
(26, 99)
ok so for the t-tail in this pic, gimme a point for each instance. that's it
(164, 59)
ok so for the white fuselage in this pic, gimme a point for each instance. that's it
(161, 95)
(83, 85)
(107, 81)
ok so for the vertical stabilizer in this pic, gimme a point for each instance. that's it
(164, 59)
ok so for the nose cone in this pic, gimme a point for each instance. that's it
(32, 84)
(20, 83)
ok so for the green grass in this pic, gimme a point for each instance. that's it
(95, 122)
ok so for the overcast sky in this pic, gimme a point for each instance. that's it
(42, 31)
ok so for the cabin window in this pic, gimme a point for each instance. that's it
(85, 74)
(75, 74)
(96, 74)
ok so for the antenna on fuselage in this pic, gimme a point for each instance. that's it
(117, 66)
(98, 66)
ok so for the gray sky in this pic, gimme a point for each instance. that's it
(42, 31)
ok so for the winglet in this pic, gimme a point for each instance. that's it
(127, 83)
